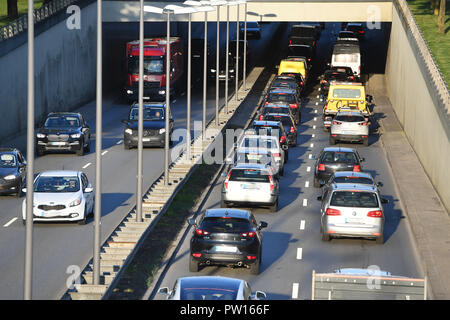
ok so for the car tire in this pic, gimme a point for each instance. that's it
(254, 267)
(39, 152)
(380, 239)
(82, 222)
(193, 265)
(332, 141)
(316, 183)
(325, 236)
(81, 151)
(126, 146)
(365, 142)
(274, 207)
(88, 147)
(282, 171)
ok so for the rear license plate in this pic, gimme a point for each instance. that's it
(59, 143)
(354, 220)
(145, 139)
(249, 187)
(225, 249)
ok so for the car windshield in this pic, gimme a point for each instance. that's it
(225, 225)
(249, 175)
(350, 118)
(152, 65)
(259, 158)
(259, 143)
(207, 294)
(285, 120)
(356, 199)
(351, 179)
(150, 113)
(339, 157)
(347, 93)
(268, 109)
(289, 98)
(266, 130)
(62, 121)
(57, 184)
(7, 160)
(339, 76)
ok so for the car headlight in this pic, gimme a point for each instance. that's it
(10, 177)
(128, 131)
(162, 92)
(40, 135)
(129, 92)
(75, 135)
(75, 203)
(161, 131)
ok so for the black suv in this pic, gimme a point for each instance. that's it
(154, 125)
(334, 159)
(63, 131)
(12, 171)
(288, 124)
(226, 237)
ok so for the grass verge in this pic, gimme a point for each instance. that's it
(439, 43)
(140, 272)
(22, 6)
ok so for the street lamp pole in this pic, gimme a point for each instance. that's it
(245, 47)
(140, 115)
(166, 144)
(236, 69)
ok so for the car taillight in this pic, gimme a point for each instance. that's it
(357, 168)
(261, 117)
(277, 155)
(292, 130)
(333, 212)
(282, 139)
(326, 106)
(201, 232)
(301, 83)
(362, 123)
(293, 105)
(227, 179)
(321, 167)
(249, 234)
(163, 80)
(375, 214)
(196, 255)
(271, 182)
(337, 122)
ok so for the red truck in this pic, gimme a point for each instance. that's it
(154, 67)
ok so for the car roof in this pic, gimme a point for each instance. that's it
(361, 272)
(210, 282)
(64, 113)
(277, 105)
(353, 187)
(5, 149)
(256, 136)
(253, 150)
(59, 173)
(352, 113)
(353, 174)
(150, 104)
(282, 90)
(265, 122)
(234, 213)
(258, 166)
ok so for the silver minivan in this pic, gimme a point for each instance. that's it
(252, 185)
(352, 210)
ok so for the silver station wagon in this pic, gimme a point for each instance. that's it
(350, 126)
(352, 210)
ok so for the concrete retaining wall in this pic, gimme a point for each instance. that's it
(65, 71)
(419, 102)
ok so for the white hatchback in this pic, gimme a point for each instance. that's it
(61, 196)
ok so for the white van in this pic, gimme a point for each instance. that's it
(347, 55)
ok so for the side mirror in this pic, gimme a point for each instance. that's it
(164, 291)
(259, 295)
(24, 190)
(384, 200)
(284, 147)
(124, 121)
(192, 222)
(319, 198)
(235, 145)
(379, 184)
(262, 225)
(363, 159)
(89, 189)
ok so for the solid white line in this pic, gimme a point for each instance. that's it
(308, 169)
(10, 222)
(295, 291)
(302, 225)
(306, 184)
(104, 152)
(299, 253)
(305, 202)
(119, 142)
(86, 165)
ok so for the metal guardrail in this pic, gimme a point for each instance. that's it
(430, 63)
(21, 24)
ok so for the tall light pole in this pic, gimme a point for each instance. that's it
(227, 54)
(202, 6)
(238, 2)
(169, 9)
(28, 276)
(245, 47)
(140, 115)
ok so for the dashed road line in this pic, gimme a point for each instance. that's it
(10, 222)
(119, 142)
(299, 253)
(306, 184)
(86, 165)
(308, 169)
(104, 152)
(305, 202)
(302, 225)
(295, 287)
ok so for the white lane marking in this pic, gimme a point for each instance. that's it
(310, 156)
(313, 135)
(86, 165)
(314, 126)
(306, 184)
(104, 152)
(119, 142)
(308, 169)
(315, 111)
(311, 145)
(302, 225)
(305, 202)
(315, 118)
(317, 103)
(295, 291)
(318, 96)
(299, 253)
(10, 222)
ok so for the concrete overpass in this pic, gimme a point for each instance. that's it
(260, 10)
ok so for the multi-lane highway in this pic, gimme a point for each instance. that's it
(292, 245)
(60, 248)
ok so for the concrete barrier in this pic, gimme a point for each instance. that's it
(420, 98)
